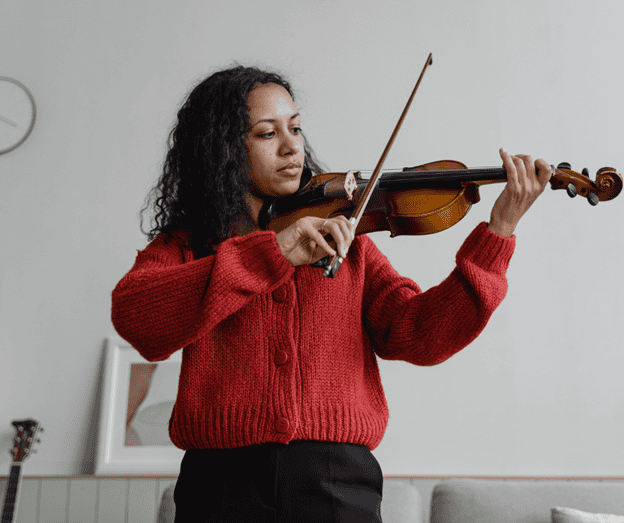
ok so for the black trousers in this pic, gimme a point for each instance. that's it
(304, 481)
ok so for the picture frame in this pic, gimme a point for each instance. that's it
(136, 405)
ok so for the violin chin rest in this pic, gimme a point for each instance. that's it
(306, 178)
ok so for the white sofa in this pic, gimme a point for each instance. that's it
(483, 501)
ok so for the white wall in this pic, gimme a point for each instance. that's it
(540, 392)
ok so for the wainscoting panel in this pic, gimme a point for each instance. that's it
(29, 493)
(55, 498)
(79, 491)
(142, 500)
(89, 499)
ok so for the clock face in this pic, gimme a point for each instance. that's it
(17, 113)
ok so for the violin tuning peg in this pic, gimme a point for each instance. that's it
(585, 171)
(571, 190)
(564, 165)
(593, 199)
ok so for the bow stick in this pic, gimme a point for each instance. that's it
(334, 263)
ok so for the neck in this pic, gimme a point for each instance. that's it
(414, 179)
(248, 224)
(254, 203)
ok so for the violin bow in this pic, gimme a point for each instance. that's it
(334, 263)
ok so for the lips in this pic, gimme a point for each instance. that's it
(291, 167)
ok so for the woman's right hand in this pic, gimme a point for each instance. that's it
(303, 242)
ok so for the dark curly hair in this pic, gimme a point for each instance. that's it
(205, 175)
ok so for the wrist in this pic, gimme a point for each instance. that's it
(506, 230)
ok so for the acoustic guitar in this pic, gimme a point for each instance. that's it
(22, 448)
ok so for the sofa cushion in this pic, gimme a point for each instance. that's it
(494, 501)
(166, 512)
(571, 515)
(402, 502)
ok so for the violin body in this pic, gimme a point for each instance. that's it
(410, 211)
(419, 200)
(431, 209)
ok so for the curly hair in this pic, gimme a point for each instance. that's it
(205, 176)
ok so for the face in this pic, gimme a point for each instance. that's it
(274, 142)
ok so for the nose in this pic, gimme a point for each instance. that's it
(291, 144)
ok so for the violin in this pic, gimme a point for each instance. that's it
(424, 199)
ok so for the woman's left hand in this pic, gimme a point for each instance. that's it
(526, 180)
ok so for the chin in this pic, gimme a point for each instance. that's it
(288, 188)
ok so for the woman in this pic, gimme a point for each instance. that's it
(280, 400)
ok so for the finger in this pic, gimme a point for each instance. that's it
(346, 226)
(528, 164)
(544, 171)
(348, 229)
(527, 174)
(508, 163)
(538, 173)
(313, 232)
(522, 165)
(511, 164)
(340, 233)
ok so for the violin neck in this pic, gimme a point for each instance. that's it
(479, 175)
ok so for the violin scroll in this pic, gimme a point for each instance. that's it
(607, 186)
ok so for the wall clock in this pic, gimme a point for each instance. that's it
(17, 113)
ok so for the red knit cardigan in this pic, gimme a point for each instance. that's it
(275, 353)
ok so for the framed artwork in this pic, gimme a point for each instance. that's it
(137, 400)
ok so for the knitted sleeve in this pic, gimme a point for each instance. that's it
(426, 328)
(167, 300)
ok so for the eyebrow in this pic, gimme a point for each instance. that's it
(271, 120)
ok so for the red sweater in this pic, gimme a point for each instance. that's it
(278, 353)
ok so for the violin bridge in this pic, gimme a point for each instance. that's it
(350, 185)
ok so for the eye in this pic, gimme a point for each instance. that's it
(296, 130)
(270, 134)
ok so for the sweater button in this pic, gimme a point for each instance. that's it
(282, 425)
(281, 357)
(280, 294)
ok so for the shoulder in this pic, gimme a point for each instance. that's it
(169, 245)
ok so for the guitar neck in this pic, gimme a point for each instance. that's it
(12, 491)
